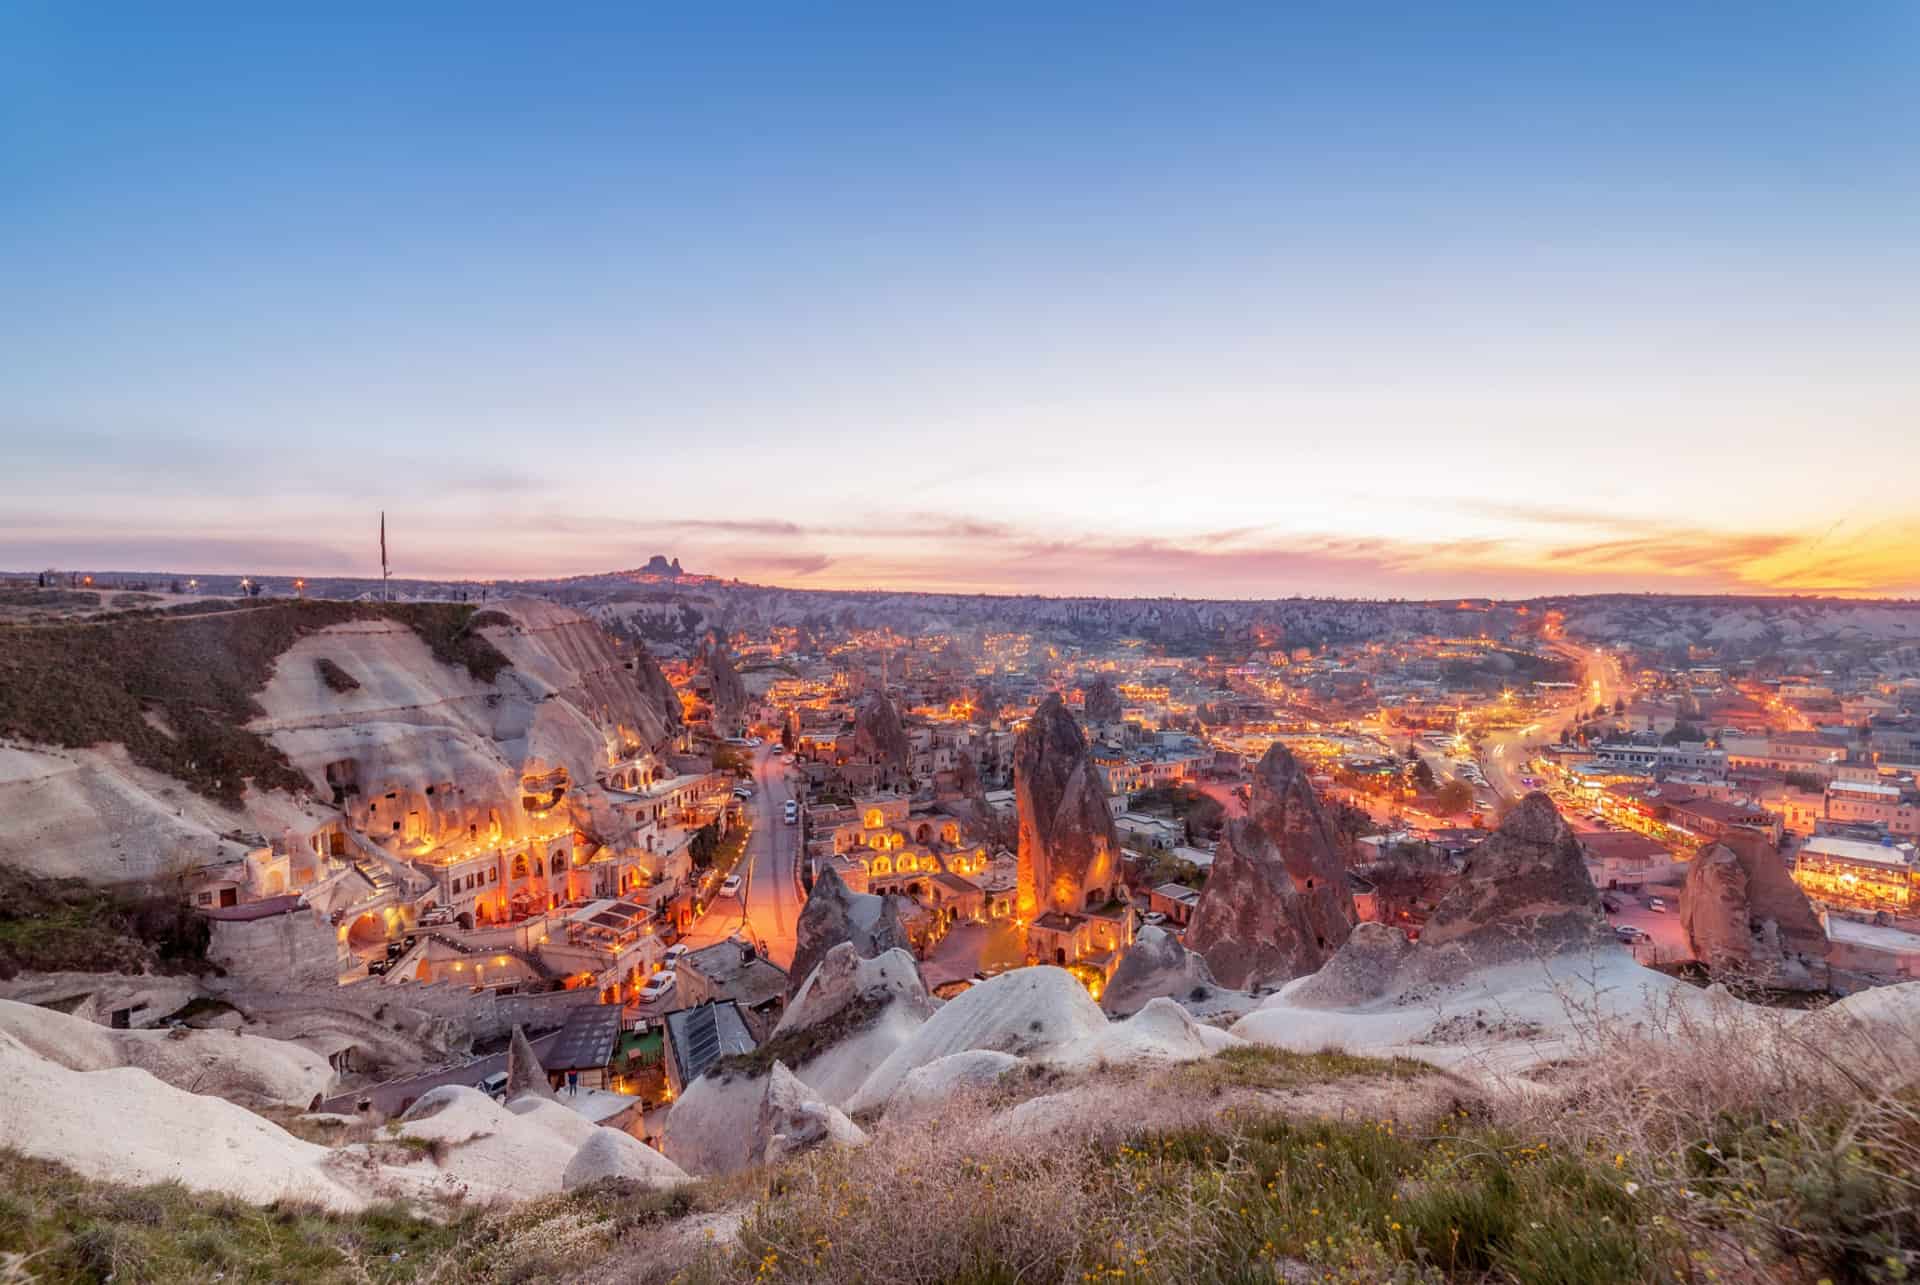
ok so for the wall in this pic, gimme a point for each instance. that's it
(290, 950)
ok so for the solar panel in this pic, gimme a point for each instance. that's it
(703, 1040)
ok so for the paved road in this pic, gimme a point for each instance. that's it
(767, 908)
(1506, 753)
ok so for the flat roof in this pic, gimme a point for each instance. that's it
(1866, 787)
(1879, 854)
(699, 1037)
(587, 1039)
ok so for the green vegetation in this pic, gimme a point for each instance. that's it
(733, 758)
(796, 1048)
(1164, 867)
(59, 925)
(1255, 1066)
(177, 687)
(57, 1226)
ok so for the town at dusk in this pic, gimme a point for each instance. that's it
(857, 644)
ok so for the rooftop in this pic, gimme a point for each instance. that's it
(586, 1040)
(1880, 854)
(699, 1037)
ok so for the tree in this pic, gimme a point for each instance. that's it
(1423, 779)
(1619, 705)
(1453, 798)
(705, 844)
(786, 736)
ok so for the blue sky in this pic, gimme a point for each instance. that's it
(1391, 298)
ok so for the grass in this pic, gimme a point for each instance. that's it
(55, 1226)
(197, 667)
(1246, 1200)
(58, 1226)
(61, 925)
(1255, 1066)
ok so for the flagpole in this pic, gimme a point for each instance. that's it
(385, 594)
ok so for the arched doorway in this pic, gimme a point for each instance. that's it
(367, 932)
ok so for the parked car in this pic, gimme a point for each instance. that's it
(657, 986)
(1656, 904)
(675, 953)
(1153, 918)
(378, 967)
(495, 1085)
(730, 885)
(436, 916)
(1628, 933)
(791, 812)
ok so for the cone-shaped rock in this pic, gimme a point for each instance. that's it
(1103, 701)
(1069, 851)
(834, 913)
(524, 1073)
(880, 737)
(1277, 904)
(1746, 918)
(1523, 894)
(729, 693)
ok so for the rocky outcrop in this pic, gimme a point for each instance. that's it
(525, 1075)
(792, 1119)
(849, 1017)
(1523, 894)
(728, 693)
(1361, 970)
(938, 1082)
(1745, 918)
(1029, 1012)
(1069, 851)
(1158, 966)
(1102, 701)
(1277, 904)
(245, 1069)
(834, 914)
(879, 737)
(611, 1154)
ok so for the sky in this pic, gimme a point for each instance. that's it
(1216, 300)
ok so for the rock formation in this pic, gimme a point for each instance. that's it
(1277, 903)
(834, 914)
(1746, 918)
(1069, 852)
(729, 694)
(879, 737)
(1361, 970)
(849, 1017)
(525, 1075)
(792, 1119)
(1158, 966)
(1028, 1012)
(1103, 701)
(610, 1153)
(1523, 894)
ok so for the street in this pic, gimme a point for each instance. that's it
(767, 908)
(1506, 753)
